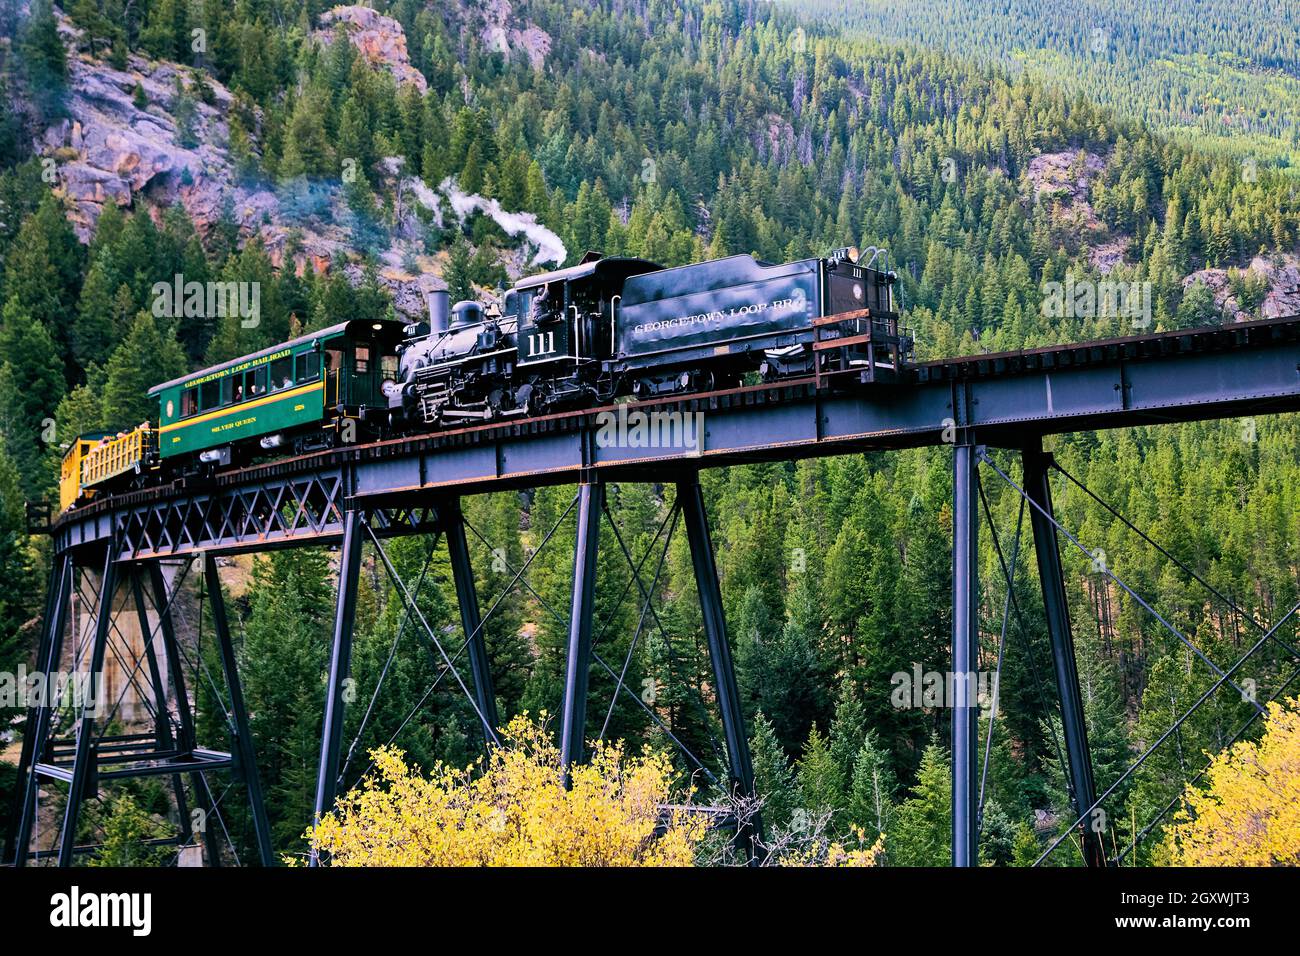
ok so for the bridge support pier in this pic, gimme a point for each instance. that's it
(591, 500)
(184, 717)
(749, 833)
(245, 760)
(25, 758)
(37, 727)
(169, 751)
(965, 657)
(340, 667)
(467, 598)
(161, 712)
(590, 504)
(1074, 728)
(81, 766)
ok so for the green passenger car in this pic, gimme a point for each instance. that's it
(300, 394)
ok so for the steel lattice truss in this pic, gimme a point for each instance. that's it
(258, 517)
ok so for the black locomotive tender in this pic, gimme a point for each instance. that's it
(615, 326)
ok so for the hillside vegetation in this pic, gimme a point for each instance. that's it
(1222, 74)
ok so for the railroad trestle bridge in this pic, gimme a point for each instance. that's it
(374, 492)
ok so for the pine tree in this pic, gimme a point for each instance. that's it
(44, 57)
(80, 412)
(284, 658)
(43, 270)
(922, 832)
(457, 271)
(12, 146)
(94, 331)
(821, 784)
(997, 836)
(31, 385)
(306, 147)
(848, 728)
(1026, 848)
(773, 778)
(872, 791)
(19, 584)
(786, 677)
(147, 357)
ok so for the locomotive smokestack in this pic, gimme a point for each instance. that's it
(439, 305)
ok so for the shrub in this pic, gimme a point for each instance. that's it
(512, 809)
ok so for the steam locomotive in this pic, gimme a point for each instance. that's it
(605, 328)
(614, 326)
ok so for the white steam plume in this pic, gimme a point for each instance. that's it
(548, 244)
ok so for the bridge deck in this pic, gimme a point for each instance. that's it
(1008, 399)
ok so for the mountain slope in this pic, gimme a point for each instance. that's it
(1222, 73)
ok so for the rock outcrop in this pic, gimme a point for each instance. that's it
(1279, 273)
(146, 137)
(501, 34)
(1060, 182)
(122, 139)
(379, 39)
(127, 140)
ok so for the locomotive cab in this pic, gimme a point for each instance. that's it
(548, 348)
(566, 322)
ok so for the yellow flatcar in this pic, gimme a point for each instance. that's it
(70, 472)
(97, 460)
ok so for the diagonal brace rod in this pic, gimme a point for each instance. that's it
(1110, 574)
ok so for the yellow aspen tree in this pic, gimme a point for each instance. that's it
(513, 809)
(1248, 812)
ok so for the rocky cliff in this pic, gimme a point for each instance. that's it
(141, 138)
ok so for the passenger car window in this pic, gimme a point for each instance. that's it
(189, 402)
(281, 373)
(305, 366)
(209, 395)
(363, 359)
